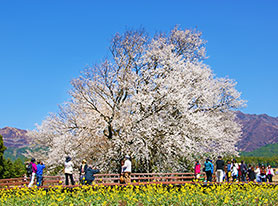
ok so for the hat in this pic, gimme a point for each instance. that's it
(84, 161)
(127, 156)
(68, 159)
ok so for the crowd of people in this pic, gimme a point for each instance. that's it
(233, 171)
(229, 171)
(86, 172)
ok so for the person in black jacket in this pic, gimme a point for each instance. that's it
(89, 175)
(82, 171)
(243, 169)
(251, 174)
(219, 169)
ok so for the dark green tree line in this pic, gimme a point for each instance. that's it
(9, 169)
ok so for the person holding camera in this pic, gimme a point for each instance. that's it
(40, 167)
(89, 175)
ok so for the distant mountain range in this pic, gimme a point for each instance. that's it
(16, 141)
(14, 137)
(258, 131)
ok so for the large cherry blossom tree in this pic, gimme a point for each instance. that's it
(154, 98)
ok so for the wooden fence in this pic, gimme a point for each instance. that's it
(146, 177)
(108, 179)
(24, 181)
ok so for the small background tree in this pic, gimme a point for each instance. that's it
(9, 169)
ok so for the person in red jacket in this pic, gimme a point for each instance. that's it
(239, 172)
(197, 170)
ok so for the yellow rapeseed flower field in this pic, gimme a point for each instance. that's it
(155, 194)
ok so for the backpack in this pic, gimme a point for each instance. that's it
(29, 169)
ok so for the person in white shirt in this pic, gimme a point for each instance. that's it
(127, 169)
(68, 171)
(269, 173)
(258, 173)
(235, 168)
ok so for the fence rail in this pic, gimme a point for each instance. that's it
(108, 179)
(24, 181)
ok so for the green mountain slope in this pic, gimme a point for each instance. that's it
(270, 150)
(14, 153)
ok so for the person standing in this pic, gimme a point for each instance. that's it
(269, 173)
(89, 175)
(263, 173)
(68, 171)
(219, 169)
(121, 171)
(40, 167)
(82, 171)
(208, 167)
(34, 171)
(212, 169)
(258, 174)
(224, 173)
(229, 170)
(197, 170)
(251, 174)
(239, 172)
(127, 169)
(234, 170)
(243, 170)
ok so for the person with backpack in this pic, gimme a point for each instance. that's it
(31, 171)
(40, 167)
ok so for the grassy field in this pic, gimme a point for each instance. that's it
(248, 194)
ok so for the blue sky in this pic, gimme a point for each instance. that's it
(44, 44)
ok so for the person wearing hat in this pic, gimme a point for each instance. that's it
(127, 169)
(34, 171)
(82, 171)
(69, 170)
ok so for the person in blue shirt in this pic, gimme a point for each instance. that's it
(229, 170)
(212, 167)
(40, 168)
(208, 170)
